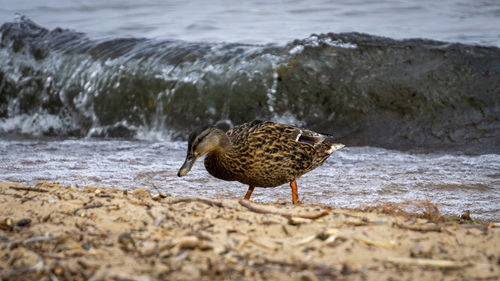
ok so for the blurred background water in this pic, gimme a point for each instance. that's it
(263, 22)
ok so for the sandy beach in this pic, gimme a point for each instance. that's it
(55, 232)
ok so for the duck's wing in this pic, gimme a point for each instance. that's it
(240, 133)
(243, 128)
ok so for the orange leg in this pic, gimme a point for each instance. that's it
(249, 192)
(295, 196)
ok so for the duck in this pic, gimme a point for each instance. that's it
(258, 154)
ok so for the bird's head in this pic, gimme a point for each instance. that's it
(201, 141)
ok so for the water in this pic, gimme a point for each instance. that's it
(362, 89)
(263, 22)
(351, 177)
(256, 59)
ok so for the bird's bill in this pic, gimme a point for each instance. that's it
(187, 166)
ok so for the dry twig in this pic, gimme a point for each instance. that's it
(24, 188)
(97, 205)
(202, 200)
(255, 209)
(390, 244)
(421, 228)
(6, 275)
(426, 262)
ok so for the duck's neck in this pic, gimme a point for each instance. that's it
(217, 160)
(225, 143)
(223, 146)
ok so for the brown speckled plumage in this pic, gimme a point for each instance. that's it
(259, 153)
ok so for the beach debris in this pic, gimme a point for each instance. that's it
(424, 209)
(9, 225)
(248, 205)
(389, 244)
(90, 189)
(38, 238)
(201, 200)
(142, 193)
(348, 269)
(268, 220)
(96, 205)
(327, 236)
(306, 240)
(127, 243)
(426, 262)
(23, 223)
(191, 242)
(320, 271)
(421, 228)
(116, 239)
(466, 215)
(250, 240)
(24, 188)
(187, 242)
(8, 274)
(464, 218)
(331, 235)
(356, 221)
(421, 250)
(297, 220)
(158, 220)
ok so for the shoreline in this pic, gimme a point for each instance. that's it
(50, 231)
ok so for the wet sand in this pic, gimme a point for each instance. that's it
(54, 232)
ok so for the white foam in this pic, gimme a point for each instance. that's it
(153, 135)
(296, 50)
(315, 41)
(287, 118)
(36, 124)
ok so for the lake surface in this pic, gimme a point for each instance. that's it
(263, 22)
(351, 177)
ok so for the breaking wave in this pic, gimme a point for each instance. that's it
(364, 90)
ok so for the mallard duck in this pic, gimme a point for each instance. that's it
(259, 154)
